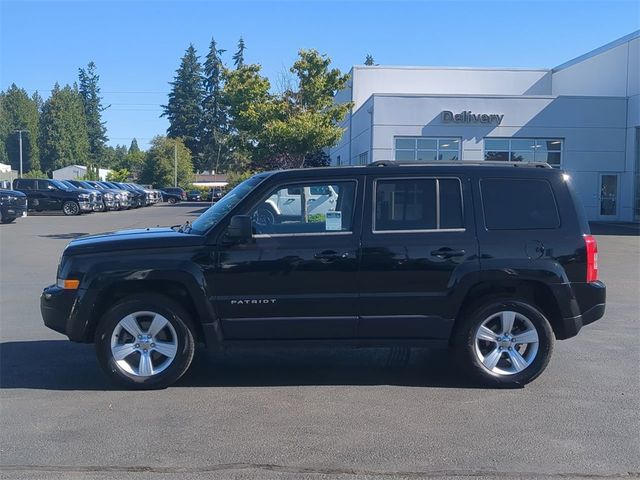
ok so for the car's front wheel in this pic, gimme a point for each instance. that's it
(504, 342)
(172, 200)
(7, 219)
(145, 342)
(71, 208)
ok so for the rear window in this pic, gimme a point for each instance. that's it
(518, 204)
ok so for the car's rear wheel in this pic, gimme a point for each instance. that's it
(70, 208)
(172, 200)
(504, 342)
(145, 342)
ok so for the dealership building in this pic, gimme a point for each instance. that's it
(582, 116)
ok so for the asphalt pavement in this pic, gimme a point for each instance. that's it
(327, 413)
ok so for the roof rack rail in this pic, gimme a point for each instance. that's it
(483, 163)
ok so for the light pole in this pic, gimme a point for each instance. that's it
(19, 132)
(175, 164)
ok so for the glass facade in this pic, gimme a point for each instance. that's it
(426, 149)
(547, 150)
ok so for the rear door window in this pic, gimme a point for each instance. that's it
(418, 204)
(518, 204)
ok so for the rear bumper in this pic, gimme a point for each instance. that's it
(588, 305)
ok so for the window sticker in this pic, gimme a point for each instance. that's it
(333, 221)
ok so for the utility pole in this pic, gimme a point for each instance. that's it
(175, 164)
(19, 132)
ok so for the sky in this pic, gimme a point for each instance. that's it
(137, 45)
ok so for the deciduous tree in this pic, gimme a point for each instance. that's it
(158, 169)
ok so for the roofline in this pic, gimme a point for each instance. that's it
(598, 51)
(421, 67)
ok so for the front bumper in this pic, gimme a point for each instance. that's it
(13, 210)
(55, 306)
(85, 206)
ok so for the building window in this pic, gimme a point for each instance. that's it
(363, 158)
(547, 150)
(426, 149)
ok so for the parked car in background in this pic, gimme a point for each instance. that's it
(154, 195)
(176, 191)
(194, 196)
(13, 204)
(98, 203)
(216, 194)
(110, 199)
(138, 197)
(171, 197)
(53, 195)
(124, 198)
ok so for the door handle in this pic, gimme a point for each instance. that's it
(446, 252)
(330, 255)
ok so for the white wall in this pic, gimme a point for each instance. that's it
(604, 72)
(459, 81)
(70, 172)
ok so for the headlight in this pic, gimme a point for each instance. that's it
(108, 196)
(83, 196)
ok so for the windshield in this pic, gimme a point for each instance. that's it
(218, 210)
(68, 184)
(60, 185)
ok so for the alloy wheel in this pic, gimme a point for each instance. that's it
(144, 344)
(506, 343)
(70, 208)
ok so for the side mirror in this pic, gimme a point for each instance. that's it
(240, 228)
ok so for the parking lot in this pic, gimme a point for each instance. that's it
(369, 413)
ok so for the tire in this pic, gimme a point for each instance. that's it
(497, 359)
(6, 220)
(140, 356)
(172, 200)
(70, 208)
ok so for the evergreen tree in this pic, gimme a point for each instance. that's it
(369, 60)
(133, 148)
(92, 102)
(214, 112)
(238, 57)
(184, 109)
(64, 139)
(18, 111)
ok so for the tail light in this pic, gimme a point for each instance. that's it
(592, 258)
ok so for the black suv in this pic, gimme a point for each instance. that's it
(495, 260)
(13, 204)
(45, 194)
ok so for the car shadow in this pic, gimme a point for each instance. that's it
(618, 228)
(63, 365)
(65, 236)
